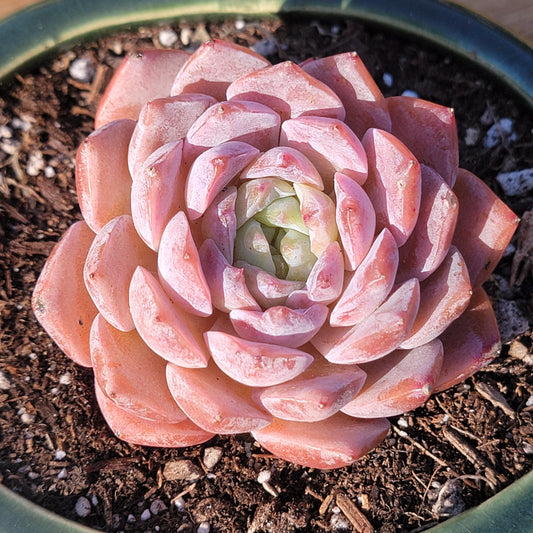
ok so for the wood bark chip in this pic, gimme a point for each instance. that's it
(353, 514)
(495, 398)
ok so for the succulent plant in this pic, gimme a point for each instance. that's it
(274, 249)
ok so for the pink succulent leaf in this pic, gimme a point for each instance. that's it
(299, 299)
(310, 443)
(356, 219)
(324, 283)
(137, 430)
(329, 144)
(483, 233)
(280, 325)
(398, 383)
(180, 269)
(299, 94)
(444, 296)
(219, 221)
(157, 192)
(212, 171)
(255, 364)
(347, 75)
(114, 255)
(162, 121)
(318, 215)
(103, 181)
(249, 122)
(366, 289)
(316, 394)
(226, 282)
(267, 289)
(285, 163)
(430, 240)
(140, 78)
(170, 332)
(376, 336)
(469, 343)
(214, 401)
(394, 183)
(60, 299)
(128, 372)
(429, 131)
(213, 66)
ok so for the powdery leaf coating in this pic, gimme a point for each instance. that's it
(275, 249)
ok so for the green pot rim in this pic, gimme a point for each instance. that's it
(48, 26)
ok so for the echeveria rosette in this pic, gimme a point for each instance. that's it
(274, 249)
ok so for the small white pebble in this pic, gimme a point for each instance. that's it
(501, 130)
(179, 503)
(157, 506)
(60, 455)
(265, 47)
(240, 24)
(27, 418)
(5, 384)
(471, 136)
(9, 146)
(212, 456)
(6, 132)
(445, 418)
(62, 474)
(528, 448)
(33, 475)
(409, 92)
(65, 379)
(146, 515)
(82, 70)
(264, 476)
(388, 80)
(186, 36)
(83, 507)
(529, 402)
(168, 37)
(516, 183)
(403, 423)
(35, 163)
(204, 527)
(131, 519)
(94, 500)
(402, 433)
(20, 123)
(49, 171)
(335, 29)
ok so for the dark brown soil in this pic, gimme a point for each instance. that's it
(54, 445)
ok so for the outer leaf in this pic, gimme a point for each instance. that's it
(483, 233)
(60, 299)
(130, 374)
(212, 68)
(128, 91)
(299, 94)
(115, 253)
(103, 181)
(215, 402)
(332, 443)
(348, 76)
(144, 432)
(429, 131)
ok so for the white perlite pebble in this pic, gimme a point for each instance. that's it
(517, 182)
(240, 24)
(264, 476)
(65, 379)
(146, 515)
(204, 527)
(501, 130)
(265, 47)
(62, 474)
(82, 70)
(388, 80)
(168, 37)
(4, 382)
(35, 163)
(157, 506)
(212, 456)
(471, 136)
(83, 507)
(409, 92)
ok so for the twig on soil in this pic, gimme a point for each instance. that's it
(404, 435)
(494, 397)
